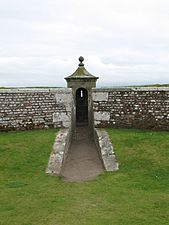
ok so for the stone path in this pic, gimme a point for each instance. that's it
(83, 161)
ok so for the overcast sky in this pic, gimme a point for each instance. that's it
(123, 41)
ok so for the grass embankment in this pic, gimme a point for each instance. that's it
(138, 194)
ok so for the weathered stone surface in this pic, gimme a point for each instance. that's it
(64, 117)
(145, 108)
(105, 149)
(100, 96)
(59, 151)
(63, 97)
(104, 116)
(22, 109)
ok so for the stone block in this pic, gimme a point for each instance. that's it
(96, 123)
(100, 96)
(61, 116)
(66, 124)
(64, 98)
(103, 116)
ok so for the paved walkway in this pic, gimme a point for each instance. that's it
(83, 161)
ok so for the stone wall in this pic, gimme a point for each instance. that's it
(22, 109)
(146, 108)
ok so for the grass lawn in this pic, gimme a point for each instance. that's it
(138, 194)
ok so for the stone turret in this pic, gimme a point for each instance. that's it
(81, 82)
(81, 78)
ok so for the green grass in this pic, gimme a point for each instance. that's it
(138, 194)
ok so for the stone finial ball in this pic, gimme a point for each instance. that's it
(81, 59)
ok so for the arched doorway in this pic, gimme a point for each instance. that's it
(81, 106)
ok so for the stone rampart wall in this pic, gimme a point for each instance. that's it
(146, 108)
(22, 109)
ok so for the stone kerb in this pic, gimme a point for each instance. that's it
(59, 151)
(105, 149)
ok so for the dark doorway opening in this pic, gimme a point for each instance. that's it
(81, 107)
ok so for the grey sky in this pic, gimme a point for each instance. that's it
(123, 42)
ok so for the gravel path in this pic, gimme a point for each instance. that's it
(83, 161)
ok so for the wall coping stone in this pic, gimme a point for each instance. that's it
(68, 90)
(130, 89)
(32, 90)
